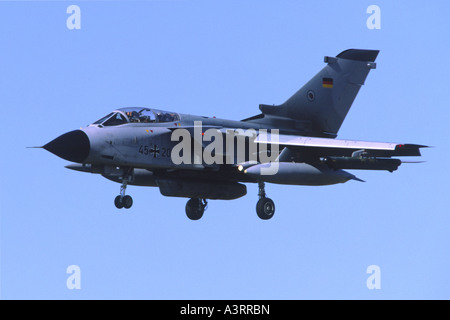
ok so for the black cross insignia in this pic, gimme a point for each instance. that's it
(154, 151)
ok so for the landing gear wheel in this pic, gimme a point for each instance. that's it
(265, 208)
(195, 208)
(118, 202)
(123, 202)
(127, 202)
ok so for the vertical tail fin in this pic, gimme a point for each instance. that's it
(325, 100)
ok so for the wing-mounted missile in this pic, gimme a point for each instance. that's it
(362, 163)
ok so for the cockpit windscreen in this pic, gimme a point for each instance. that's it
(137, 115)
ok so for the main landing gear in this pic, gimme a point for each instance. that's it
(195, 208)
(122, 200)
(265, 207)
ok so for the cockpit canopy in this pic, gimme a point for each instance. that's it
(137, 115)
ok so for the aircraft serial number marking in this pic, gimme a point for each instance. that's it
(154, 151)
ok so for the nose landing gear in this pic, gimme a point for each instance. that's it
(122, 200)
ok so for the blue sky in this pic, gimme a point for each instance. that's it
(221, 58)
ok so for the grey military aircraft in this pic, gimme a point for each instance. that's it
(143, 146)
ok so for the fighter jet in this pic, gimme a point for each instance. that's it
(202, 158)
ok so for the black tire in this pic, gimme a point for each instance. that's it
(265, 208)
(194, 209)
(118, 202)
(127, 202)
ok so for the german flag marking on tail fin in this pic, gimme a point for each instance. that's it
(327, 82)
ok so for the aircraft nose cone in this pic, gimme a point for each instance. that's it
(72, 146)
